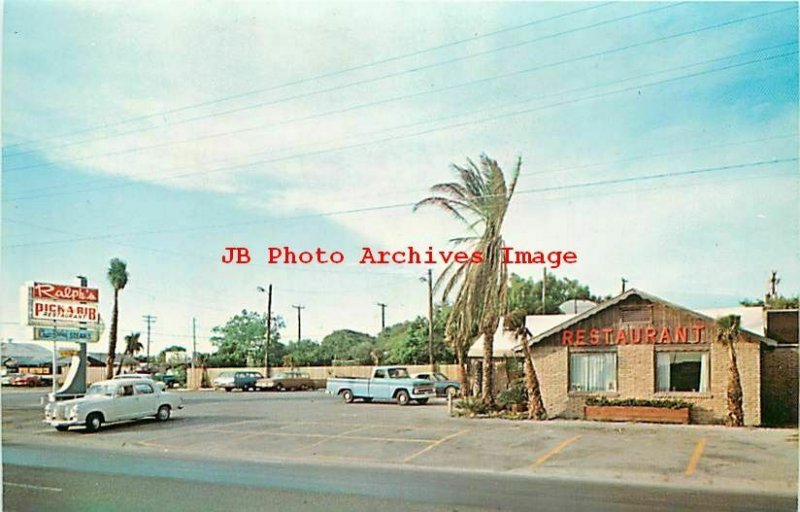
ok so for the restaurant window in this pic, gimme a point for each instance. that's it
(682, 371)
(593, 371)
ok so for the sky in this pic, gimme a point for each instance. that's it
(658, 142)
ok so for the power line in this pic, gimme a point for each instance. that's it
(357, 82)
(308, 79)
(397, 98)
(428, 131)
(631, 179)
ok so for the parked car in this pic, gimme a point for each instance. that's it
(28, 380)
(5, 380)
(113, 400)
(160, 385)
(291, 380)
(443, 385)
(386, 383)
(244, 380)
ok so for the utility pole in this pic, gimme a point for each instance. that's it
(268, 291)
(298, 307)
(80, 379)
(150, 319)
(773, 285)
(624, 282)
(430, 318)
(194, 343)
(544, 290)
(383, 315)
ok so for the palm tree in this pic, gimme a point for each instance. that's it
(515, 322)
(728, 335)
(480, 200)
(132, 346)
(118, 277)
(459, 335)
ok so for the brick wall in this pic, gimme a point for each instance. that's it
(779, 385)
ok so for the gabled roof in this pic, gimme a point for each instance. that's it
(506, 344)
(748, 324)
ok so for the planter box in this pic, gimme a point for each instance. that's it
(636, 413)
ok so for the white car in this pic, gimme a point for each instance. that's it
(113, 400)
(159, 385)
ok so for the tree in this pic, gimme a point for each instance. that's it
(526, 294)
(241, 340)
(774, 302)
(480, 199)
(728, 335)
(132, 346)
(347, 345)
(304, 353)
(407, 342)
(118, 277)
(515, 323)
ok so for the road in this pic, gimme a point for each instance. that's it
(307, 451)
(67, 479)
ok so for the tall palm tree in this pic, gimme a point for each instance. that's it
(515, 323)
(480, 200)
(118, 277)
(459, 335)
(728, 335)
(132, 346)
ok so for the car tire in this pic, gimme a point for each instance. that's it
(163, 413)
(422, 401)
(402, 397)
(31, 384)
(279, 387)
(347, 396)
(450, 392)
(94, 421)
(228, 390)
(62, 428)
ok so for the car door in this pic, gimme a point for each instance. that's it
(124, 405)
(380, 385)
(146, 398)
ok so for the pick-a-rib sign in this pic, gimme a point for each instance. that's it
(59, 312)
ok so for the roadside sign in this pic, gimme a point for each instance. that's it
(65, 334)
(59, 312)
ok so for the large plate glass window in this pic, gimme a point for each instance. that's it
(593, 371)
(682, 371)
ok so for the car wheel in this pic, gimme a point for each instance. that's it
(451, 392)
(347, 396)
(163, 413)
(94, 421)
(228, 390)
(279, 387)
(402, 397)
(422, 401)
(31, 384)
(62, 428)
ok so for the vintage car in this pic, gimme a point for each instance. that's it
(242, 379)
(442, 383)
(386, 383)
(28, 380)
(291, 380)
(162, 386)
(113, 400)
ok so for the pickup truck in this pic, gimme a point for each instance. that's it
(386, 383)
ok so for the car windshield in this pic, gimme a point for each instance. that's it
(398, 373)
(440, 377)
(100, 389)
(226, 374)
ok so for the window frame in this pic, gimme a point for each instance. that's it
(682, 350)
(575, 392)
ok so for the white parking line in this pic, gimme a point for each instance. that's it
(36, 487)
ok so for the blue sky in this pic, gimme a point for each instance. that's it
(106, 152)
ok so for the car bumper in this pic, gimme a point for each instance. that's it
(417, 396)
(63, 423)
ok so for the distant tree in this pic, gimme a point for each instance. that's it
(526, 294)
(408, 343)
(132, 346)
(304, 353)
(774, 302)
(241, 340)
(347, 345)
(118, 277)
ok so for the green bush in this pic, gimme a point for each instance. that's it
(473, 406)
(516, 394)
(637, 402)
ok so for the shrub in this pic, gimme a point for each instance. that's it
(636, 402)
(516, 394)
(473, 406)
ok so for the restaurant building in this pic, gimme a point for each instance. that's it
(640, 346)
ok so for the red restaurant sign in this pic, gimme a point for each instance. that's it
(65, 292)
(650, 335)
(56, 311)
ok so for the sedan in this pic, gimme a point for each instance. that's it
(291, 380)
(442, 383)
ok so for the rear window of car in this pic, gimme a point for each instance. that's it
(144, 389)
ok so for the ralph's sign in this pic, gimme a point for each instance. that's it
(649, 335)
(65, 292)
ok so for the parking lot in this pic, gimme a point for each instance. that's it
(312, 427)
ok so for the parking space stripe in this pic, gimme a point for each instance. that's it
(695, 458)
(35, 487)
(433, 445)
(564, 444)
